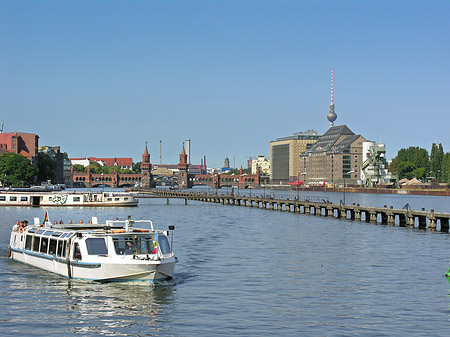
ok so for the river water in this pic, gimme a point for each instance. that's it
(246, 272)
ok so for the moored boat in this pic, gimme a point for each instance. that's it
(114, 251)
(36, 198)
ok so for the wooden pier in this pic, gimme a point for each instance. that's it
(319, 207)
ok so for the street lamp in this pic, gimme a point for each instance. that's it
(298, 182)
(349, 172)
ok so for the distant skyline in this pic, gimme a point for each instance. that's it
(101, 78)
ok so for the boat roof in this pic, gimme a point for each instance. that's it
(108, 225)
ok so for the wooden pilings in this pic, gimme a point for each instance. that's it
(386, 216)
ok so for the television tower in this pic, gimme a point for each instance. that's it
(331, 116)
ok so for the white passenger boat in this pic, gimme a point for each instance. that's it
(33, 197)
(111, 252)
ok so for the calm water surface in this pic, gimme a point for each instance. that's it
(246, 272)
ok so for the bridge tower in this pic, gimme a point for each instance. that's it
(183, 170)
(146, 169)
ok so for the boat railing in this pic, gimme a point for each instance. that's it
(127, 224)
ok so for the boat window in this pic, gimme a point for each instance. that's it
(133, 245)
(76, 199)
(32, 230)
(36, 243)
(76, 251)
(2, 198)
(96, 246)
(69, 235)
(40, 231)
(108, 199)
(52, 247)
(48, 233)
(56, 234)
(116, 199)
(125, 198)
(164, 244)
(61, 251)
(23, 198)
(64, 235)
(28, 241)
(44, 245)
(12, 198)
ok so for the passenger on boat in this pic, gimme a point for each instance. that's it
(21, 226)
(61, 222)
(16, 226)
(130, 248)
(70, 221)
(81, 221)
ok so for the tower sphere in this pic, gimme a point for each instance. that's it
(331, 116)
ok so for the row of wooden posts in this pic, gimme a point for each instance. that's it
(386, 215)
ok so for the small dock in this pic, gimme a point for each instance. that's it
(317, 206)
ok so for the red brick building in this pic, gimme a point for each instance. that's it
(22, 143)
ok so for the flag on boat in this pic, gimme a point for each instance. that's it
(155, 244)
(45, 218)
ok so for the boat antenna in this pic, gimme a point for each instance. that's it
(171, 228)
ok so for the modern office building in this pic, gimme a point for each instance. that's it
(285, 155)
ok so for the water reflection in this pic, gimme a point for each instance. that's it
(115, 308)
(84, 307)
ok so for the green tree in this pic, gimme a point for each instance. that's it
(417, 156)
(405, 170)
(46, 167)
(393, 165)
(411, 161)
(445, 168)
(96, 168)
(436, 157)
(137, 167)
(16, 170)
(78, 168)
(237, 171)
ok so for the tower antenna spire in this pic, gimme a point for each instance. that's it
(332, 86)
(331, 116)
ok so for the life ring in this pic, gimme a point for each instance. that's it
(118, 231)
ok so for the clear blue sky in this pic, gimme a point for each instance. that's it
(99, 78)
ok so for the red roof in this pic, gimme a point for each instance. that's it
(114, 161)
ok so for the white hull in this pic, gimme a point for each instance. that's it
(134, 270)
(84, 199)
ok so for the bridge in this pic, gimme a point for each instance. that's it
(224, 180)
(86, 179)
(404, 217)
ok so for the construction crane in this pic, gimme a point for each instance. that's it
(374, 168)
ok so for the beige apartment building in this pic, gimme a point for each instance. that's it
(334, 159)
(285, 153)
